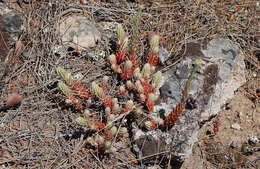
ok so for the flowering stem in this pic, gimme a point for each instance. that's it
(135, 32)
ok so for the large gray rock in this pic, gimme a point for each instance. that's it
(221, 72)
(10, 22)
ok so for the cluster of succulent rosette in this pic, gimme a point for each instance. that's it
(141, 84)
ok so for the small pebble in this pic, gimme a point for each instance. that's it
(83, 2)
(78, 76)
(234, 144)
(227, 106)
(163, 55)
(239, 114)
(235, 126)
(2, 125)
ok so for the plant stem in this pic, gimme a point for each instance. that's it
(135, 32)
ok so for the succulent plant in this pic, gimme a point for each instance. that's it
(139, 87)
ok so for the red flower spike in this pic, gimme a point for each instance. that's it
(174, 116)
(146, 86)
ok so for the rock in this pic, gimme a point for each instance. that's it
(240, 115)
(235, 126)
(253, 139)
(97, 55)
(11, 27)
(221, 72)
(59, 50)
(3, 8)
(77, 31)
(234, 143)
(10, 22)
(150, 143)
(163, 55)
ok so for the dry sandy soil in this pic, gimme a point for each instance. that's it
(241, 110)
(41, 131)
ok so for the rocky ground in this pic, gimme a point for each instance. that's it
(239, 124)
(38, 128)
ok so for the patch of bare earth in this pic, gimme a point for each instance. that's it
(242, 111)
(41, 132)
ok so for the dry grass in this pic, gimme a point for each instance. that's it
(40, 133)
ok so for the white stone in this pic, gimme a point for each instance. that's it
(235, 126)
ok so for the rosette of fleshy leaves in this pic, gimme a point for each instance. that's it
(142, 81)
